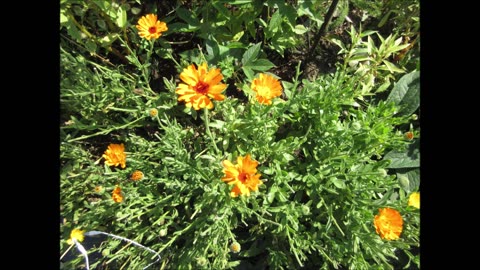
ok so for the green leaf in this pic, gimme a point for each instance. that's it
(274, 23)
(251, 54)
(260, 65)
(409, 179)
(121, 17)
(407, 159)
(338, 183)
(300, 29)
(187, 16)
(63, 18)
(248, 72)
(392, 68)
(406, 93)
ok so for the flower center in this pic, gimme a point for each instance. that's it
(263, 91)
(242, 176)
(152, 30)
(201, 88)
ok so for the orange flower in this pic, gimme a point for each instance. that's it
(117, 194)
(200, 86)
(149, 27)
(115, 155)
(409, 135)
(243, 176)
(136, 175)
(266, 87)
(388, 223)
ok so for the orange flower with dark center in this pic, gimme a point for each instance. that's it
(243, 176)
(117, 194)
(388, 223)
(115, 155)
(149, 27)
(266, 87)
(200, 86)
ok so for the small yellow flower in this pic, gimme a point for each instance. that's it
(117, 194)
(149, 27)
(266, 87)
(200, 86)
(76, 234)
(414, 200)
(98, 189)
(235, 247)
(136, 175)
(153, 112)
(242, 175)
(115, 155)
(388, 223)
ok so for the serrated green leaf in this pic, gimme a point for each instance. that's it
(251, 54)
(406, 93)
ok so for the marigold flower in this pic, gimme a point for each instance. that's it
(117, 194)
(235, 247)
(414, 200)
(266, 87)
(76, 234)
(200, 86)
(115, 155)
(98, 189)
(136, 175)
(149, 27)
(388, 223)
(242, 175)
(153, 112)
(409, 135)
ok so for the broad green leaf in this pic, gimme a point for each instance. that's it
(248, 72)
(187, 16)
(407, 159)
(221, 8)
(251, 54)
(300, 29)
(406, 93)
(274, 22)
(260, 65)
(121, 17)
(409, 179)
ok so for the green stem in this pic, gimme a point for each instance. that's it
(209, 133)
(105, 132)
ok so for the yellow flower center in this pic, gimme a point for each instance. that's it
(263, 91)
(201, 88)
(152, 30)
